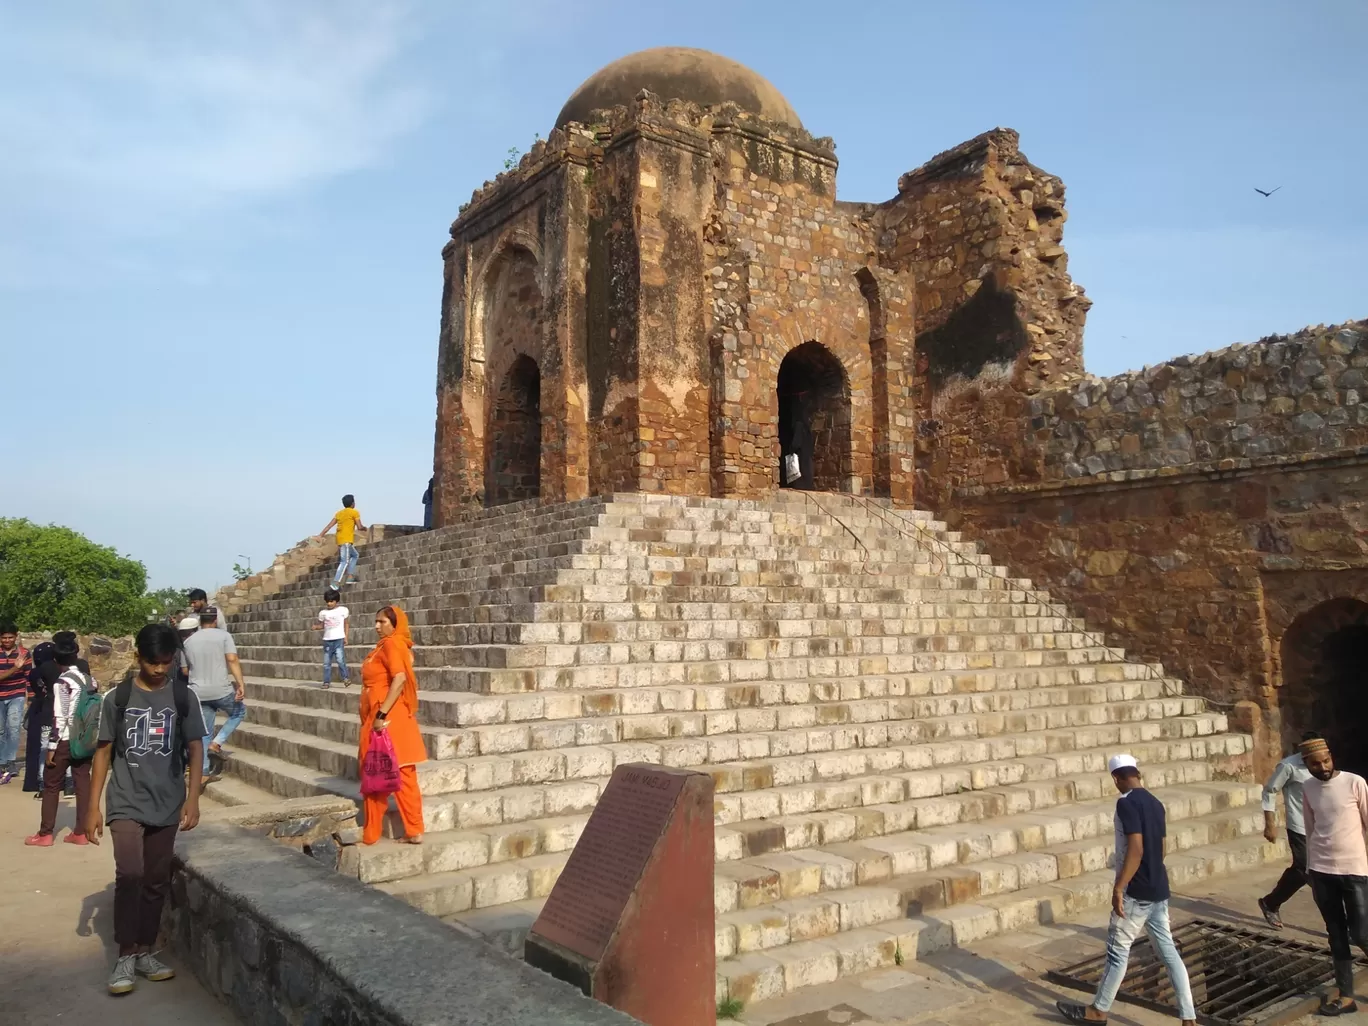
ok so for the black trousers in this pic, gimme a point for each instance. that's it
(1343, 904)
(1294, 877)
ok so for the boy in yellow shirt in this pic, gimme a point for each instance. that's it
(348, 522)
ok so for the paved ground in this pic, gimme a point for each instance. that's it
(999, 982)
(56, 935)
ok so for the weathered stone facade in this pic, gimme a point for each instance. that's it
(655, 268)
(1208, 512)
(666, 296)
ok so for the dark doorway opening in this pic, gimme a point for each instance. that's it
(1325, 680)
(513, 436)
(814, 419)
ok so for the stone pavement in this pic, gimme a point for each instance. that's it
(999, 981)
(56, 935)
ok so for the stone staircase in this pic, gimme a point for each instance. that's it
(909, 746)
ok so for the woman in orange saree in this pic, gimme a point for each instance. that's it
(389, 702)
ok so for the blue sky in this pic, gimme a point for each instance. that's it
(220, 224)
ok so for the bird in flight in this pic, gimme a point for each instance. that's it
(1265, 194)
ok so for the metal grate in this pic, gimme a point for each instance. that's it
(1239, 977)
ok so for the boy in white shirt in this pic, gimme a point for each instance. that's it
(332, 621)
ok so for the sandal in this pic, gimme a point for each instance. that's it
(1270, 915)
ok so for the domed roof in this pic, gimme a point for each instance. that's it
(677, 73)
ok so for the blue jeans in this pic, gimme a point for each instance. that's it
(1153, 918)
(236, 711)
(334, 651)
(11, 720)
(346, 563)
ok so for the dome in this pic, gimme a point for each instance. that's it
(677, 73)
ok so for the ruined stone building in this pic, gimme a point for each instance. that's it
(903, 667)
(667, 296)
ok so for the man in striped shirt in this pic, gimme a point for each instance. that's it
(14, 670)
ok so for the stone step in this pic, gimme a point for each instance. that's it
(753, 703)
(758, 976)
(827, 874)
(836, 620)
(791, 645)
(873, 856)
(1060, 707)
(714, 671)
(439, 602)
(840, 749)
(769, 950)
(816, 800)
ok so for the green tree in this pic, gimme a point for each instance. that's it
(168, 600)
(53, 578)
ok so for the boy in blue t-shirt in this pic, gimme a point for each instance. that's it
(1140, 898)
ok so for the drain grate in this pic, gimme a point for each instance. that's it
(1239, 977)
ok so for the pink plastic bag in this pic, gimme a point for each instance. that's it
(380, 767)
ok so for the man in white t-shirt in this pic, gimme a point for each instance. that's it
(332, 621)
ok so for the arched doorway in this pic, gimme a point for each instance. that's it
(1325, 680)
(814, 418)
(513, 436)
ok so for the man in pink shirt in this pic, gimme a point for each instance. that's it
(1335, 806)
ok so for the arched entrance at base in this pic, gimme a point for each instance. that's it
(814, 419)
(513, 436)
(1325, 680)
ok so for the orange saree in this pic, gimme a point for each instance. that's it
(386, 661)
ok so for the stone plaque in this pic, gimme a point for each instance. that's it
(630, 920)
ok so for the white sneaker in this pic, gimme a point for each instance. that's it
(153, 968)
(124, 976)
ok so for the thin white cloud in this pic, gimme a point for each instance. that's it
(140, 117)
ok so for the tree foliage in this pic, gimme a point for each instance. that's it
(168, 600)
(53, 578)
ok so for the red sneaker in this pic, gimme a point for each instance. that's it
(75, 838)
(39, 841)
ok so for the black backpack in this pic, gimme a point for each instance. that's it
(180, 694)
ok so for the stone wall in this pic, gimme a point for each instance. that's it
(282, 940)
(980, 229)
(1192, 510)
(110, 658)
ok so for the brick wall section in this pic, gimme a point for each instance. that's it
(1192, 510)
(980, 229)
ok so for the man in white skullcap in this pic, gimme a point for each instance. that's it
(1140, 898)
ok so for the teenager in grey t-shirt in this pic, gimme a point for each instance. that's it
(147, 772)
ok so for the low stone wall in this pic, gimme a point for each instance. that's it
(283, 940)
(109, 658)
(323, 828)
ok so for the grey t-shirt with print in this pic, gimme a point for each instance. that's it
(147, 771)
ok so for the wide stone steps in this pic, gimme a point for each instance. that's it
(821, 792)
(697, 621)
(817, 717)
(755, 705)
(908, 745)
(790, 646)
(818, 904)
(717, 670)
(1036, 843)
(869, 746)
(751, 862)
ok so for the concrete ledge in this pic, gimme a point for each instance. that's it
(282, 940)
